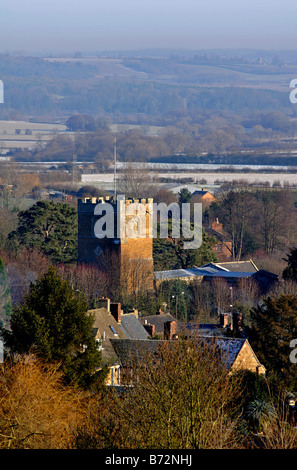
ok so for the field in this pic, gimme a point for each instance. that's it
(211, 178)
(23, 134)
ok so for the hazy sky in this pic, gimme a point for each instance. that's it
(97, 25)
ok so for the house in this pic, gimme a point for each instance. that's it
(106, 328)
(236, 353)
(203, 196)
(161, 325)
(223, 247)
(239, 355)
(232, 272)
(110, 322)
(132, 327)
(126, 339)
(235, 266)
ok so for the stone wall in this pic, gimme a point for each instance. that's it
(247, 359)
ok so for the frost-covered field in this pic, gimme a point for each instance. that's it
(214, 177)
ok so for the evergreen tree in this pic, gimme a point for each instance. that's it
(290, 272)
(54, 324)
(184, 196)
(274, 325)
(5, 300)
(169, 253)
(51, 227)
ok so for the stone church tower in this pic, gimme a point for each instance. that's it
(117, 232)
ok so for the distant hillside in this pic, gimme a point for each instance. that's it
(130, 86)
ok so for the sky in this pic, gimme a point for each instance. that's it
(100, 25)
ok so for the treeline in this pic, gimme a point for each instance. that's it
(262, 220)
(203, 139)
(38, 87)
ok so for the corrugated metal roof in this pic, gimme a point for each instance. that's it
(199, 272)
(238, 266)
(231, 274)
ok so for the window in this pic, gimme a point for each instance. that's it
(113, 330)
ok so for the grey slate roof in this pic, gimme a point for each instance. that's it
(199, 272)
(228, 270)
(205, 329)
(106, 328)
(158, 321)
(188, 273)
(200, 193)
(130, 352)
(132, 327)
(234, 266)
(230, 348)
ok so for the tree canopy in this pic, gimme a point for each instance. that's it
(169, 253)
(54, 324)
(51, 227)
(274, 325)
(5, 299)
(290, 271)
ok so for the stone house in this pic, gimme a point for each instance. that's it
(162, 325)
(236, 353)
(110, 322)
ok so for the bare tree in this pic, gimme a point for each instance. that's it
(134, 180)
(181, 399)
(36, 412)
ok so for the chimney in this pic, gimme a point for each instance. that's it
(224, 320)
(237, 320)
(160, 312)
(169, 330)
(104, 302)
(150, 328)
(135, 312)
(115, 310)
(217, 226)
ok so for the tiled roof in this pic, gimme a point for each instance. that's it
(106, 324)
(229, 348)
(105, 328)
(232, 269)
(158, 321)
(205, 329)
(238, 266)
(132, 327)
(208, 271)
(133, 351)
